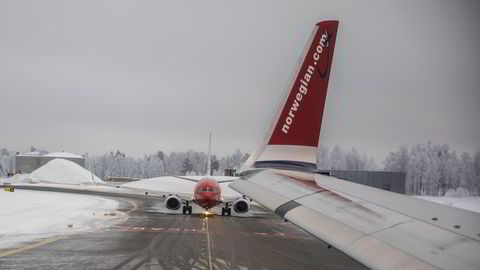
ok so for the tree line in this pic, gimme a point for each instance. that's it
(176, 163)
(430, 169)
(436, 170)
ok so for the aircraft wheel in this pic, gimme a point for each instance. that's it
(184, 209)
(229, 211)
(223, 211)
(190, 210)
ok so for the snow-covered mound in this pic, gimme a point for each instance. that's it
(62, 171)
(18, 178)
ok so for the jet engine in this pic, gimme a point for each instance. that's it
(172, 202)
(241, 206)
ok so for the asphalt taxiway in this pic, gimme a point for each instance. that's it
(153, 239)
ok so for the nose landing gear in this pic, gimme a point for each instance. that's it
(226, 210)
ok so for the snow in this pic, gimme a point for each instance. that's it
(31, 215)
(467, 203)
(17, 178)
(62, 155)
(176, 185)
(62, 171)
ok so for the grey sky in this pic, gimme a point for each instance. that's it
(142, 76)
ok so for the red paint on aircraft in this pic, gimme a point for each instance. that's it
(207, 193)
(301, 117)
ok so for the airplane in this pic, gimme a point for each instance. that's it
(207, 194)
(378, 228)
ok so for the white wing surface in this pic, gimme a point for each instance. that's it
(380, 229)
(182, 186)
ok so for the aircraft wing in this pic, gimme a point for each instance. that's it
(219, 179)
(380, 229)
(166, 185)
(182, 186)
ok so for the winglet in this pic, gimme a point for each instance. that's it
(295, 128)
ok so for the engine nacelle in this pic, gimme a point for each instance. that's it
(173, 202)
(241, 206)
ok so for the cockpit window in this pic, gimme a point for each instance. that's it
(208, 189)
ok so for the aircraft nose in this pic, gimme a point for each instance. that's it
(208, 196)
(207, 199)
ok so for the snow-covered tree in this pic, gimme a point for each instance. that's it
(397, 161)
(476, 165)
(215, 165)
(323, 158)
(353, 161)
(466, 172)
(434, 170)
(7, 162)
(187, 166)
(337, 159)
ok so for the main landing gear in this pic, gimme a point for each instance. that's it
(226, 210)
(187, 208)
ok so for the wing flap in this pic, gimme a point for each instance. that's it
(459, 221)
(366, 249)
(373, 232)
(273, 189)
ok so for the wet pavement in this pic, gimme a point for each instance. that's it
(154, 239)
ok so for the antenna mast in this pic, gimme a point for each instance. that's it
(209, 165)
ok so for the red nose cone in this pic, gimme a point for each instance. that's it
(207, 200)
(207, 193)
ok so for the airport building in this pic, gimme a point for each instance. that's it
(28, 162)
(391, 181)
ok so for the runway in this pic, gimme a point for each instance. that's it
(150, 239)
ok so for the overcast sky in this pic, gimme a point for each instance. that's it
(142, 76)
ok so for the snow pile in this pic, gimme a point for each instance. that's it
(62, 171)
(18, 178)
(30, 215)
(457, 193)
(467, 203)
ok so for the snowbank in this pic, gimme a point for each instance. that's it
(467, 203)
(62, 171)
(16, 179)
(30, 215)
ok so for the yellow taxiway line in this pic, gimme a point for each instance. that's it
(24, 248)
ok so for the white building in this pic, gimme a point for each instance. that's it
(28, 162)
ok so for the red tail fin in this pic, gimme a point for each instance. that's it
(295, 130)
